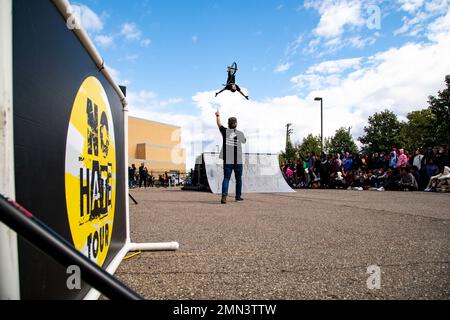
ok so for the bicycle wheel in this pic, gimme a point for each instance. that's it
(233, 68)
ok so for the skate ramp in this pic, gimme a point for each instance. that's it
(261, 174)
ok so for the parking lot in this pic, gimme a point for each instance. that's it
(313, 244)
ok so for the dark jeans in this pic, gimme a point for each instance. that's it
(228, 170)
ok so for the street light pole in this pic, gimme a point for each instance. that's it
(321, 122)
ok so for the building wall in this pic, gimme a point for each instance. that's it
(155, 144)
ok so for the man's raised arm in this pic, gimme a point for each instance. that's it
(219, 122)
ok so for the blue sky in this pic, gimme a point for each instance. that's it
(192, 42)
(173, 54)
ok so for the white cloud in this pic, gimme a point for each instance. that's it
(104, 41)
(336, 15)
(335, 66)
(359, 42)
(411, 6)
(309, 81)
(130, 31)
(437, 5)
(440, 28)
(93, 24)
(115, 74)
(90, 21)
(141, 97)
(327, 73)
(339, 26)
(420, 15)
(149, 100)
(293, 47)
(145, 43)
(412, 25)
(400, 79)
(282, 68)
(312, 46)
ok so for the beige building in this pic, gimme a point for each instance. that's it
(155, 144)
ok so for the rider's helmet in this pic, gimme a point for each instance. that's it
(233, 88)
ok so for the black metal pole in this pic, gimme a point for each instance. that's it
(132, 198)
(321, 125)
(47, 240)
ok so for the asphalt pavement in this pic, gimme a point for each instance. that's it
(312, 244)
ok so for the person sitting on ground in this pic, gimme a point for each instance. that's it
(324, 171)
(314, 179)
(151, 180)
(358, 181)
(349, 177)
(431, 169)
(339, 181)
(407, 181)
(380, 180)
(442, 159)
(367, 179)
(373, 178)
(415, 173)
(437, 180)
(376, 161)
(391, 182)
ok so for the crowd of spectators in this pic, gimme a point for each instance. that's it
(394, 170)
(142, 178)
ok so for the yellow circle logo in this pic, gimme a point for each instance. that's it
(90, 171)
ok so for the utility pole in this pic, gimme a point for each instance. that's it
(289, 131)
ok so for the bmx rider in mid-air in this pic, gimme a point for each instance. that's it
(231, 82)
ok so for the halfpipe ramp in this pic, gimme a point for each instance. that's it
(261, 174)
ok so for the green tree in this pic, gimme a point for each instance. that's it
(382, 132)
(289, 154)
(341, 142)
(419, 130)
(310, 144)
(440, 107)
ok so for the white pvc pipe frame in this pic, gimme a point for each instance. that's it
(9, 267)
(9, 261)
